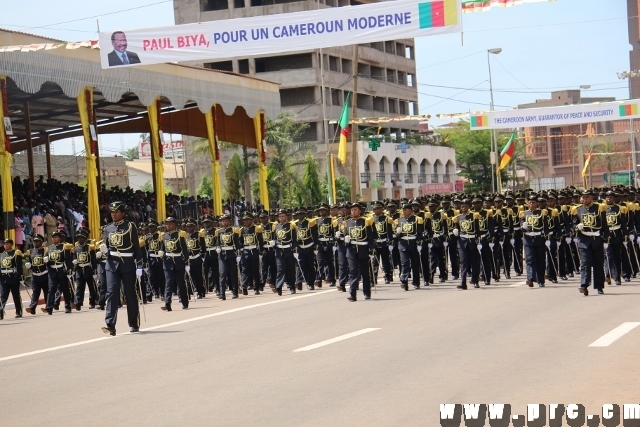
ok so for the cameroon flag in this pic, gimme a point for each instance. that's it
(345, 130)
(628, 110)
(585, 169)
(507, 152)
(438, 13)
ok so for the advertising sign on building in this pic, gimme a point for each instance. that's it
(168, 148)
(444, 187)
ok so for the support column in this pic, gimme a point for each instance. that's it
(210, 119)
(5, 161)
(27, 121)
(156, 158)
(85, 110)
(48, 156)
(259, 126)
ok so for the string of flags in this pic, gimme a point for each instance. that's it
(376, 120)
(93, 44)
(471, 6)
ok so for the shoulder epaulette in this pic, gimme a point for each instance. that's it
(574, 210)
(142, 242)
(623, 209)
(489, 213)
(201, 234)
(183, 234)
(476, 215)
(602, 207)
(312, 222)
(369, 221)
(258, 229)
(93, 247)
(419, 220)
(521, 214)
(427, 215)
(18, 252)
(68, 246)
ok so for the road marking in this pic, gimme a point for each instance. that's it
(336, 339)
(166, 325)
(612, 336)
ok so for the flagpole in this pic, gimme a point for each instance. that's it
(354, 127)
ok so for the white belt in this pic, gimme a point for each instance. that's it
(284, 246)
(39, 274)
(408, 238)
(57, 266)
(482, 236)
(467, 236)
(516, 228)
(194, 256)
(591, 233)
(250, 247)
(505, 230)
(435, 235)
(155, 256)
(84, 265)
(614, 228)
(8, 271)
(267, 246)
(308, 245)
(211, 249)
(172, 255)
(359, 243)
(227, 248)
(324, 239)
(121, 254)
(533, 233)
(381, 240)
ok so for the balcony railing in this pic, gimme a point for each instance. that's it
(446, 178)
(422, 178)
(365, 177)
(381, 177)
(395, 177)
(408, 178)
(434, 178)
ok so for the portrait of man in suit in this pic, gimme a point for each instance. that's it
(120, 55)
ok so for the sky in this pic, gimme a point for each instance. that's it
(545, 46)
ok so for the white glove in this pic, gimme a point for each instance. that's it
(74, 262)
(430, 245)
(315, 252)
(296, 255)
(525, 226)
(398, 230)
(568, 240)
(27, 265)
(161, 253)
(103, 248)
(335, 249)
(218, 250)
(445, 244)
(625, 244)
(95, 278)
(456, 232)
(338, 234)
(45, 259)
(187, 268)
(238, 259)
(512, 241)
(479, 246)
(347, 239)
(420, 249)
(390, 248)
(272, 242)
(632, 237)
(547, 243)
(575, 239)
(139, 272)
(70, 276)
(605, 245)
(580, 226)
(491, 245)
(98, 255)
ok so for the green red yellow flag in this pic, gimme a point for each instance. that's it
(628, 110)
(507, 152)
(479, 121)
(438, 13)
(345, 130)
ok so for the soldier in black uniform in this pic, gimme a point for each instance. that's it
(590, 223)
(467, 230)
(285, 242)
(196, 249)
(10, 277)
(438, 239)
(617, 224)
(229, 246)
(565, 263)
(360, 237)
(503, 249)
(306, 242)
(486, 234)
(155, 269)
(84, 262)
(423, 248)
(35, 263)
(251, 237)
(175, 254)
(535, 225)
(325, 258)
(210, 263)
(517, 244)
(552, 236)
(384, 225)
(101, 272)
(340, 248)
(122, 250)
(409, 230)
(394, 214)
(59, 261)
(452, 240)
(268, 251)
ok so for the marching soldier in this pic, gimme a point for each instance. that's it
(325, 258)
(59, 261)
(251, 237)
(360, 236)
(210, 263)
(306, 242)
(155, 267)
(175, 254)
(229, 245)
(285, 243)
(423, 248)
(565, 258)
(503, 250)
(553, 232)
(122, 250)
(196, 249)
(438, 241)
(394, 214)
(384, 243)
(535, 224)
(517, 244)
(10, 277)
(617, 223)
(452, 240)
(84, 262)
(101, 272)
(590, 223)
(268, 251)
(340, 248)
(39, 282)
(466, 229)
(486, 234)
(409, 231)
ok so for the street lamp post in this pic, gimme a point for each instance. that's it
(629, 75)
(494, 145)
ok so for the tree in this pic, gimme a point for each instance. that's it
(147, 187)
(130, 154)
(184, 193)
(235, 176)
(311, 191)
(343, 188)
(205, 189)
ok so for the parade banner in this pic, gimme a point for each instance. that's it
(555, 116)
(285, 32)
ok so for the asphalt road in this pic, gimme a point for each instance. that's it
(401, 355)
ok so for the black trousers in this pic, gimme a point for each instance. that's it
(535, 256)
(250, 269)
(410, 264)
(552, 260)
(58, 281)
(343, 267)
(286, 268)
(592, 257)
(10, 284)
(506, 254)
(228, 269)
(615, 259)
(425, 263)
(102, 284)
(211, 270)
(39, 284)
(306, 262)
(175, 281)
(84, 278)
(269, 268)
(195, 271)
(438, 255)
(126, 281)
(469, 261)
(517, 249)
(156, 277)
(383, 256)
(486, 262)
(326, 268)
(454, 257)
(359, 267)
(565, 265)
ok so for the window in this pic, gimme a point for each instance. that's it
(391, 76)
(211, 5)
(378, 104)
(377, 73)
(389, 47)
(297, 96)
(310, 134)
(243, 66)
(286, 62)
(392, 106)
(336, 97)
(347, 67)
(222, 65)
(333, 63)
(238, 4)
